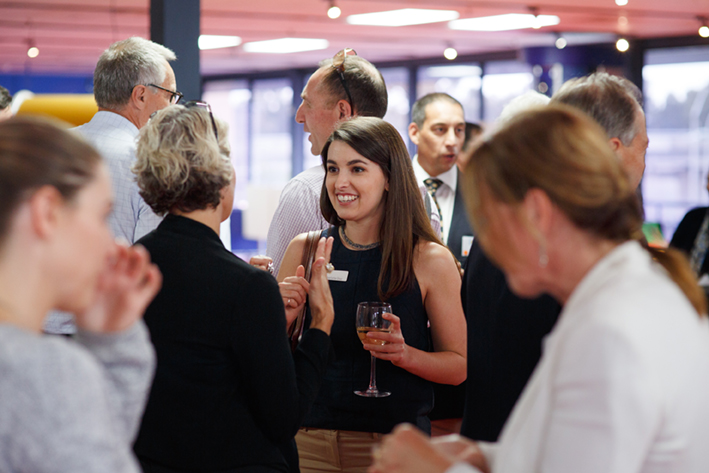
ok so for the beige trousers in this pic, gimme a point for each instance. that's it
(345, 451)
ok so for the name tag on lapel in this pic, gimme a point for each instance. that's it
(465, 244)
(338, 275)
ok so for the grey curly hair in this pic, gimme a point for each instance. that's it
(179, 163)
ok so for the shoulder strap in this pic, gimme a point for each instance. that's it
(311, 245)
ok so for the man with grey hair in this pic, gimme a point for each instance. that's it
(132, 80)
(505, 332)
(616, 104)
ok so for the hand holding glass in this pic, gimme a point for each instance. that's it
(370, 319)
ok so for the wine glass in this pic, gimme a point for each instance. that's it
(369, 319)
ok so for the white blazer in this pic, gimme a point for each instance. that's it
(623, 384)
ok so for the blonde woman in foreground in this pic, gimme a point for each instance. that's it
(621, 386)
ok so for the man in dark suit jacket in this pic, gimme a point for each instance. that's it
(438, 129)
(505, 332)
(687, 232)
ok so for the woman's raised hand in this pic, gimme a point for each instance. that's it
(322, 309)
(294, 291)
(126, 287)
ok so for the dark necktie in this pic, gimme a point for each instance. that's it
(699, 249)
(432, 185)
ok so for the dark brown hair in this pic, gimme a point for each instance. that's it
(565, 154)
(418, 111)
(35, 152)
(405, 222)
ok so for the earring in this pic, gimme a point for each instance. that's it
(543, 257)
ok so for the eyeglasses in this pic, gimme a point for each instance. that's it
(207, 107)
(175, 96)
(338, 63)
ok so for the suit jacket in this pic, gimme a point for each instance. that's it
(227, 393)
(622, 383)
(459, 226)
(505, 335)
(686, 233)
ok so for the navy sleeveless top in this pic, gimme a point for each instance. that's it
(337, 406)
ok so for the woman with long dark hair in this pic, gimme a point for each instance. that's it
(384, 250)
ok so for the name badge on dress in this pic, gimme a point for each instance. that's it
(465, 244)
(338, 275)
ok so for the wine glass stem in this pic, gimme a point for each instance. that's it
(373, 375)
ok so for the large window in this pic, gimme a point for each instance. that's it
(461, 81)
(272, 143)
(503, 81)
(676, 89)
(397, 82)
(230, 102)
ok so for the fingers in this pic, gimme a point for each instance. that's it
(262, 262)
(294, 291)
(324, 249)
(300, 272)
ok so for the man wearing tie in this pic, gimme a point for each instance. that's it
(438, 130)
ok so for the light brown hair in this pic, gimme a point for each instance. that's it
(565, 154)
(179, 163)
(404, 221)
(36, 152)
(365, 83)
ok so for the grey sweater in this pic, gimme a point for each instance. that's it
(72, 407)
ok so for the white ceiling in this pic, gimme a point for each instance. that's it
(71, 34)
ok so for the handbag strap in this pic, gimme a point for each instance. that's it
(309, 249)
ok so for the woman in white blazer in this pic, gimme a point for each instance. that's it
(622, 384)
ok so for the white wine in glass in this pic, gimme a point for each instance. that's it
(369, 319)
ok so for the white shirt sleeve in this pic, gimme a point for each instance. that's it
(298, 212)
(462, 467)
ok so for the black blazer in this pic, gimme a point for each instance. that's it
(225, 395)
(505, 335)
(686, 233)
(459, 226)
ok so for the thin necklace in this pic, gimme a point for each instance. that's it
(354, 245)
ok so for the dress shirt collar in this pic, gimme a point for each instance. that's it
(107, 118)
(449, 178)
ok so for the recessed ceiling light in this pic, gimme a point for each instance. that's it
(450, 53)
(510, 21)
(208, 41)
(622, 45)
(621, 3)
(404, 17)
(286, 45)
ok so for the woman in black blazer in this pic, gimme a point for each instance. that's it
(228, 395)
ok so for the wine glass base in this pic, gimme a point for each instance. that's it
(372, 393)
